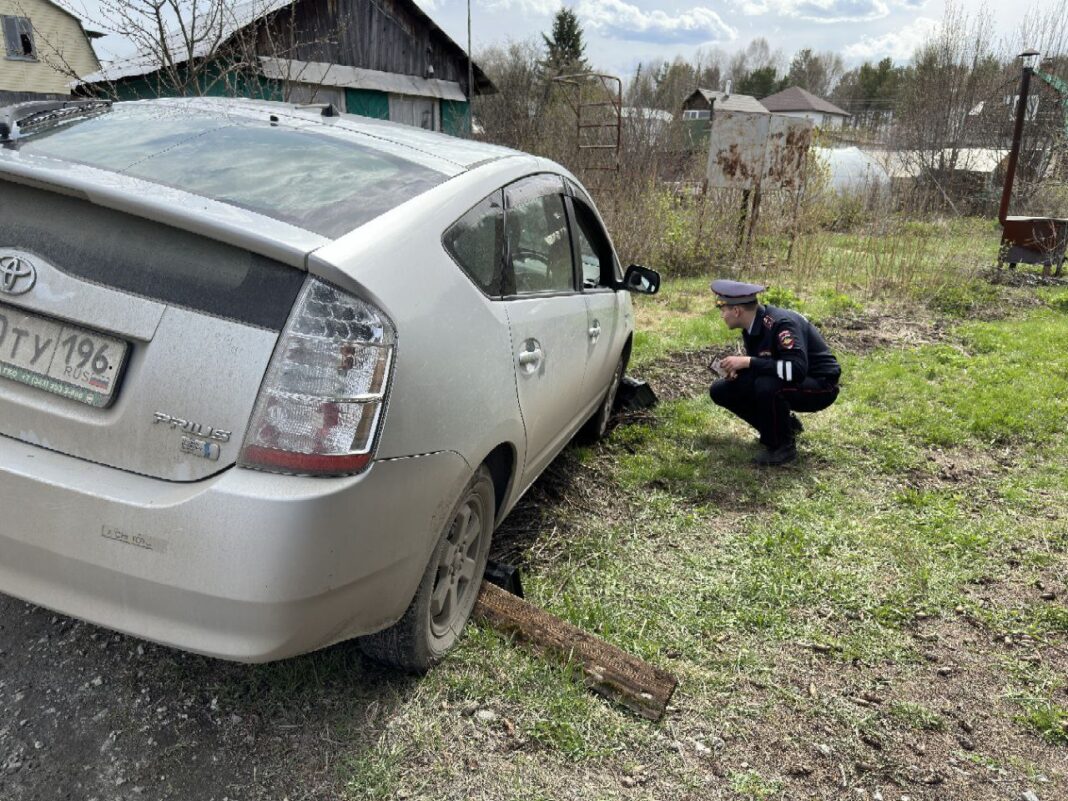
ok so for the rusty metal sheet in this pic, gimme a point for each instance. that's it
(750, 150)
(736, 149)
(789, 139)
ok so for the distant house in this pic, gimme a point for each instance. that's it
(379, 58)
(44, 46)
(797, 102)
(701, 105)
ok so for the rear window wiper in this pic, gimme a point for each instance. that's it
(23, 119)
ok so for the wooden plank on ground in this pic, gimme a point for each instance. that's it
(606, 669)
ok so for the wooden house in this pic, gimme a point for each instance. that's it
(701, 105)
(45, 46)
(380, 58)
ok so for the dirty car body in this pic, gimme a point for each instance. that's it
(262, 368)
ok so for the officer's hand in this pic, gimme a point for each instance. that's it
(733, 364)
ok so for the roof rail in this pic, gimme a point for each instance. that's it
(21, 118)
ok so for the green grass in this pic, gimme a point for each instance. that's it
(939, 473)
(917, 716)
(751, 784)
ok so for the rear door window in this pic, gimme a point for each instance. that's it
(538, 238)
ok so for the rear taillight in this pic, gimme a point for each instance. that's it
(322, 399)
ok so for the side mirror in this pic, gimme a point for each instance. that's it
(641, 280)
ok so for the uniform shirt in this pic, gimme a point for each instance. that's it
(784, 343)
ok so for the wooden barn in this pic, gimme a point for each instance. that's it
(379, 58)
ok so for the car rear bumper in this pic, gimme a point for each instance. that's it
(245, 566)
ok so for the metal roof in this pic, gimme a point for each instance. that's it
(721, 101)
(324, 74)
(797, 99)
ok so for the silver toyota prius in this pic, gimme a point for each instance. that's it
(270, 376)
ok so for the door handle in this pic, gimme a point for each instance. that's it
(530, 360)
(595, 330)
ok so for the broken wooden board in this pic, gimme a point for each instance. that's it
(606, 669)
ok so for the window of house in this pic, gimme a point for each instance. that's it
(696, 114)
(18, 36)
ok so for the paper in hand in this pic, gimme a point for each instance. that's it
(717, 368)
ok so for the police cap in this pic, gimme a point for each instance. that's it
(733, 293)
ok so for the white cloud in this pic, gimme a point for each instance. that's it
(826, 11)
(898, 45)
(837, 10)
(620, 20)
(528, 8)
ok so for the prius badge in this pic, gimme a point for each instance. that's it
(197, 439)
(17, 275)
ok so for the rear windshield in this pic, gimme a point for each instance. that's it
(325, 184)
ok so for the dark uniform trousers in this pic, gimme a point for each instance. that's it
(765, 402)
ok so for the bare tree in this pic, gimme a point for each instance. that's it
(957, 103)
(511, 116)
(952, 74)
(816, 72)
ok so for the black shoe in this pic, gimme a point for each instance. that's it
(781, 455)
(796, 426)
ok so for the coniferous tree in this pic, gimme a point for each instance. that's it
(565, 47)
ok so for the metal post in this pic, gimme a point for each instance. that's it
(470, 79)
(1017, 136)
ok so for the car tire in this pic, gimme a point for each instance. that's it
(596, 427)
(449, 588)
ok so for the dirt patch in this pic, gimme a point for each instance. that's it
(863, 334)
(683, 375)
(940, 729)
(539, 527)
(957, 466)
(686, 375)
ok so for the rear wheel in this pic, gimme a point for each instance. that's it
(597, 426)
(447, 593)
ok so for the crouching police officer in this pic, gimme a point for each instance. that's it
(789, 368)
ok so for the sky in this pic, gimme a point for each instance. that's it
(622, 33)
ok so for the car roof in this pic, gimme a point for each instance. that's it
(425, 146)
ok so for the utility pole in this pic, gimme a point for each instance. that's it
(470, 79)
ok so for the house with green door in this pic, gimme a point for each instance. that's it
(378, 58)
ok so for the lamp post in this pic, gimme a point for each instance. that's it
(1030, 60)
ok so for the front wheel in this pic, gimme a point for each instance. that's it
(449, 587)
(597, 426)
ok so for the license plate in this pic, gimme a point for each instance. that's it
(60, 358)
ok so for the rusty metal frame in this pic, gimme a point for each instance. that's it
(574, 85)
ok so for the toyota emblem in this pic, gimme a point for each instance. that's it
(17, 275)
